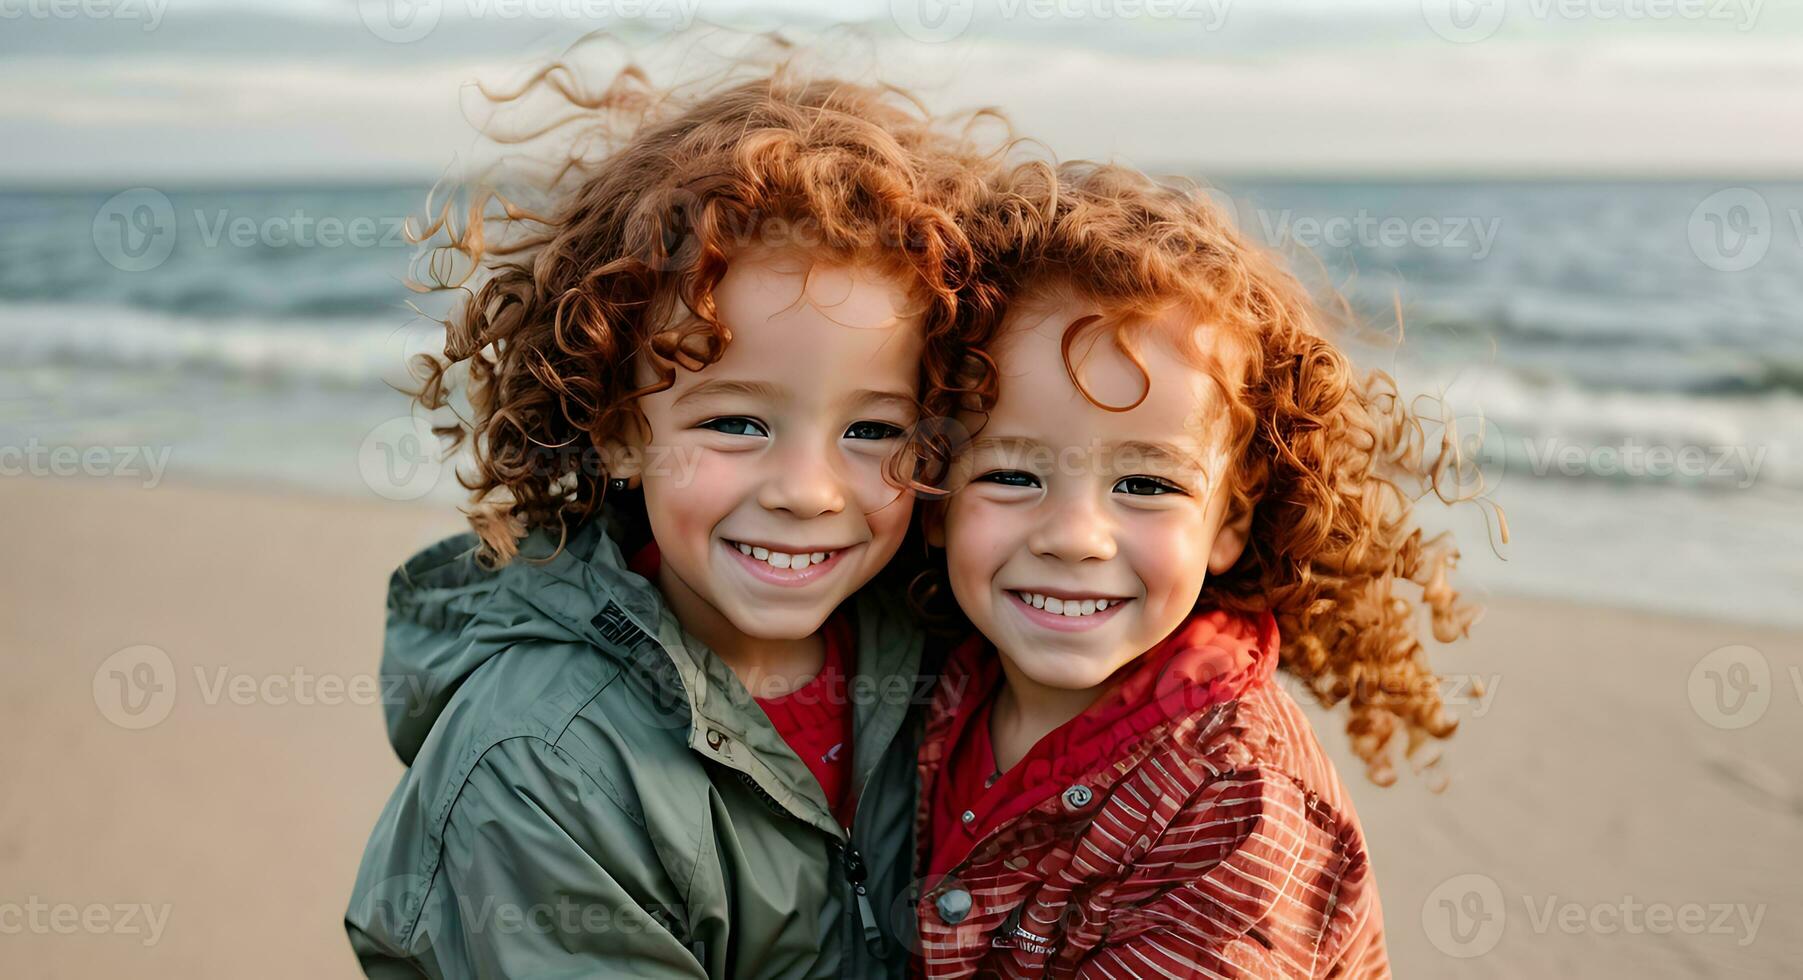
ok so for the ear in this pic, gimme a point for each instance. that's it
(1230, 542)
(623, 454)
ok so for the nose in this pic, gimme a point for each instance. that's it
(804, 483)
(1074, 528)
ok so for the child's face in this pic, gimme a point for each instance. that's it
(1065, 507)
(777, 448)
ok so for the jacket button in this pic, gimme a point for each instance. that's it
(1078, 797)
(714, 738)
(968, 816)
(953, 906)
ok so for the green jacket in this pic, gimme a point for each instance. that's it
(591, 793)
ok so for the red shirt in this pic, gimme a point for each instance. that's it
(815, 719)
(1217, 843)
(1190, 670)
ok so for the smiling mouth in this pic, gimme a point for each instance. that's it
(1070, 607)
(796, 560)
(780, 567)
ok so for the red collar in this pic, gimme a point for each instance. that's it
(1212, 658)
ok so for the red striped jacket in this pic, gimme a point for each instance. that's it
(1220, 844)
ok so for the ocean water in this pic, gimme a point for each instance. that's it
(1623, 361)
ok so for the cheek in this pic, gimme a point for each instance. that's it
(863, 475)
(978, 539)
(690, 499)
(1169, 556)
(886, 508)
(888, 518)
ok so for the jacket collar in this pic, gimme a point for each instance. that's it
(590, 591)
(1213, 657)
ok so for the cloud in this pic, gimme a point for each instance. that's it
(218, 94)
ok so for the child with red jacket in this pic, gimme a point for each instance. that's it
(1174, 485)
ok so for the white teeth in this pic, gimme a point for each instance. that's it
(1064, 607)
(782, 559)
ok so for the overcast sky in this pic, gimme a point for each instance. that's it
(189, 90)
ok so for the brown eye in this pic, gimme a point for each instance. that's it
(872, 430)
(1145, 486)
(1009, 478)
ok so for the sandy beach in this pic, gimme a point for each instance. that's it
(1625, 797)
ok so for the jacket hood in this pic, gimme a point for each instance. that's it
(447, 615)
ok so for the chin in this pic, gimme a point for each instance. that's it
(1067, 671)
(787, 625)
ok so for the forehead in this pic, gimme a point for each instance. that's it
(792, 313)
(1039, 399)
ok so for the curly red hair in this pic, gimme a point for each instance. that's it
(621, 268)
(1329, 463)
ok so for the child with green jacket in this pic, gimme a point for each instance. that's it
(663, 698)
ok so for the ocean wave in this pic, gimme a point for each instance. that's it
(333, 352)
(1556, 430)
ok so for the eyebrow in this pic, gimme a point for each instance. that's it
(766, 390)
(753, 389)
(870, 396)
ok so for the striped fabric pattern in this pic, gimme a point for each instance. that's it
(1223, 846)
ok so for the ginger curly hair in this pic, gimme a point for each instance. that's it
(1329, 462)
(560, 307)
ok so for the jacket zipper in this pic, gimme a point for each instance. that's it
(855, 873)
